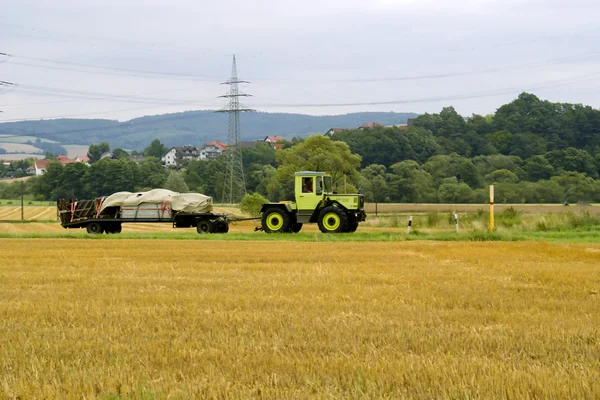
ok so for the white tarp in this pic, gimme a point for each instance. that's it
(182, 202)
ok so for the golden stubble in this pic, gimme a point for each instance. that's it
(200, 319)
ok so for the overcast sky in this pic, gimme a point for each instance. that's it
(124, 59)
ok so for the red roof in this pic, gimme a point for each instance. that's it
(371, 124)
(217, 143)
(64, 159)
(82, 158)
(41, 163)
(278, 146)
(273, 138)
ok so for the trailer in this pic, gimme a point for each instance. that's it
(107, 214)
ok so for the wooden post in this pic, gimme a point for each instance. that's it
(491, 208)
(22, 213)
(456, 219)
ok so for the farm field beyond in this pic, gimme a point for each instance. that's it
(229, 319)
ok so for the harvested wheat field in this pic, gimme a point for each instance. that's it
(227, 319)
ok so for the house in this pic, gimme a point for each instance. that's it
(64, 160)
(210, 151)
(213, 150)
(109, 154)
(39, 167)
(333, 131)
(83, 159)
(273, 139)
(370, 125)
(180, 153)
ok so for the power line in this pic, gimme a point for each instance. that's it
(476, 95)
(105, 70)
(102, 69)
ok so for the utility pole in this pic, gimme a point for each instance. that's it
(234, 187)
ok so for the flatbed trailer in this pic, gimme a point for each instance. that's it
(85, 214)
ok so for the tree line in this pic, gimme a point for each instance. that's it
(533, 151)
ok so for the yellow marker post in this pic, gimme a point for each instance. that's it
(491, 208)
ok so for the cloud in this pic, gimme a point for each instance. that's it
(295, 53)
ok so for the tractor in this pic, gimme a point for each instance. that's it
(315, 203)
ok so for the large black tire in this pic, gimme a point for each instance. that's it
(275, 220)
(296, 227)
(205, 227)
(352, 223)
(112, 227)
(222, 228)
(95, 228)
(333, 220)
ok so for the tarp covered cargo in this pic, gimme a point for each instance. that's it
(181, 202)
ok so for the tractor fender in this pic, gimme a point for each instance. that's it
(282, 206)
(336, 203)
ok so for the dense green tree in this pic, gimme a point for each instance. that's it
(152, 174)
(373, 183)
(577, 187)
(316, 153)
(501, 176)
(176, 182)
(408, 183)
(500, 140)
(155, 149)
(538, 167)
(262, 177)
(453, 191)
(95, 151)
(572, 159)
(527, 144)
(120, 153)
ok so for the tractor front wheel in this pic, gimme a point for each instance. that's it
(333, 220)
(275, 220)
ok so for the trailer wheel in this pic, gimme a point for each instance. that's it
(113, 227)
(274, 220)
(223, 228)
(95, 228)
(333, 220)
(205, 227)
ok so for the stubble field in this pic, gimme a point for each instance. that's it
(228, 319)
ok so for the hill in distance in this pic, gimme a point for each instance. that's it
(190, 127)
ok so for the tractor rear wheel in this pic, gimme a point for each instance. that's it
(333, 220)
(275, 220)
(296, 227)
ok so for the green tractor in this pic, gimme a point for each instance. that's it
(315, 203)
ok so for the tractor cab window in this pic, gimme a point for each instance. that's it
(327, 181)
(307, 185)
(319, 185)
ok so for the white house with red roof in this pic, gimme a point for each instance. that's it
(40, 166)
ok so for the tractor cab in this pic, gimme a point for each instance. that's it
(310, 187)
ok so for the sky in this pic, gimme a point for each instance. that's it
(122, 59)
